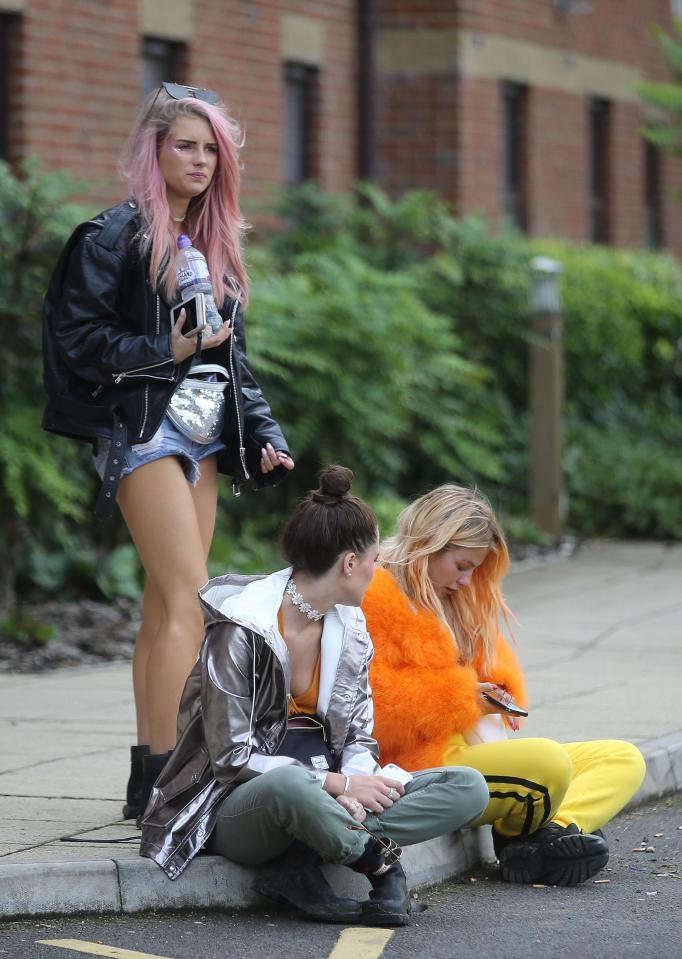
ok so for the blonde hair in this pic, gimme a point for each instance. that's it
(446, 518)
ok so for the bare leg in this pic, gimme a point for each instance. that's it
(159, 507)
(152, 609)
(205, 496)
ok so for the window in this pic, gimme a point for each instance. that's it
(515, 99)
(599, 122)
(300, 95)
(676, 8)
(8, 48)
(653, 212)
(160, 61)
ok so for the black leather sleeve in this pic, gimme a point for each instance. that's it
(260, 425)
(96, 342)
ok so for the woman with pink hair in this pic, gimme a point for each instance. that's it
(116, 363)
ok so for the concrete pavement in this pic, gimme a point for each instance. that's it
(599, 635)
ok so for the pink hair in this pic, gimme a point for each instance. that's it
(214, 219)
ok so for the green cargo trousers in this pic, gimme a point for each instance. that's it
(262, 817)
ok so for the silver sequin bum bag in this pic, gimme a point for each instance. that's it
(197, 408)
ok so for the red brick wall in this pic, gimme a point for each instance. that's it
(557, 168)
(610, 29)
(479, 145)
(80, 74)
(627, 175)
(417, 134)
(78, 84)
(557, 174)
(75, 91)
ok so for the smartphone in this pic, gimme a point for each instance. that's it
(391, 771)
(510, 707)
(195, 310)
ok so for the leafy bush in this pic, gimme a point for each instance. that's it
(623, 328)
(625, 477)
(623, 347)
(389, 336)
(26, 630)
(41, 480)
(361, 372)
(663, 125)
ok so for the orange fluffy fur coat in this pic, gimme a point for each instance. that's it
(422, 694)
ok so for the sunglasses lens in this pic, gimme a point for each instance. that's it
(178, 91)
(208, 96)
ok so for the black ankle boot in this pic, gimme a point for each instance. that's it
(295, 877)
(389, 901)
(558, 855)
(152, 764)
(131, 809)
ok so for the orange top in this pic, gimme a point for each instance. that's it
(423, 695)
(306, 703)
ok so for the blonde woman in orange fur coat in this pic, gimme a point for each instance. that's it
(433, 613)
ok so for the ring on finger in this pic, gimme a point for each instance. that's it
(392, 793)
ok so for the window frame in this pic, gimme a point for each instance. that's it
(304, 79)
(653, 197)
(515, 153)
(7, 27)
(598, 169)
(172, 62)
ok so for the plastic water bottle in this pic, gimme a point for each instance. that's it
(193, 277)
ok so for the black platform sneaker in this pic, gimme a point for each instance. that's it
(556, 855)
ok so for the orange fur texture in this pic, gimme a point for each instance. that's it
(422, 694)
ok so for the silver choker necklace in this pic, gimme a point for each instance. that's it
(179, 219)
(300, 604)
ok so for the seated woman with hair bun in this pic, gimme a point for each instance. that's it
(276, 762)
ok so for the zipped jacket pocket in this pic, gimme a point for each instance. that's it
(141, 372)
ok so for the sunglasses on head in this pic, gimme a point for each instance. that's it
(178, 91)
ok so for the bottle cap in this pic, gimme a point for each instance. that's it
(184, 241)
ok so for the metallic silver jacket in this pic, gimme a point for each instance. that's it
(233, 713)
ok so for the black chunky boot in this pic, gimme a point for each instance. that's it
(131, 809)
(152, 764)
(295, 877)
(389, 901)
(557, 855)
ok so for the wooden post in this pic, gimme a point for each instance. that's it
(547, 504)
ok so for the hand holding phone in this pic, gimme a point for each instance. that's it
(195, 315)
(507, 704)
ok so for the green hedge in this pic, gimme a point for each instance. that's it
(389, 336)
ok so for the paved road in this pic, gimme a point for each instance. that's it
(636, 915)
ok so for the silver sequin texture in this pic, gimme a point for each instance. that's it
(197, 409)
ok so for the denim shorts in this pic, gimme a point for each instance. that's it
(167, 441)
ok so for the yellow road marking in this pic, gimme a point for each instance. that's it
(361, 943)
(98, 949)
(356, 943)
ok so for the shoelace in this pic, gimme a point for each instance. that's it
(392, 851)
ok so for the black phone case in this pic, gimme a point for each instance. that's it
(511, 707)
(190, 307)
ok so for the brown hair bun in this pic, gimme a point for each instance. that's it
(335, 484)
(315, 535)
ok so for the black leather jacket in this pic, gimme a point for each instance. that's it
(108, 362)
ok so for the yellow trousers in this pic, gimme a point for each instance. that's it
(535, 781)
